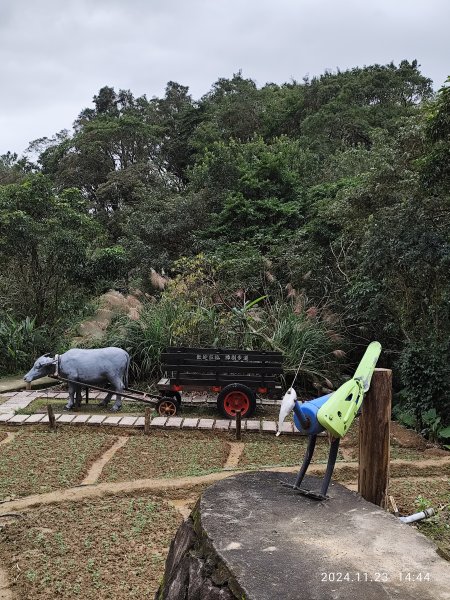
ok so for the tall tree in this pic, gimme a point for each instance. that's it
(44, 241)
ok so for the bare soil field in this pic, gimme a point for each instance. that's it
(112, 544)
(113, 548)
(41, 461)
(164, 454)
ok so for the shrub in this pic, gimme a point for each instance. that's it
(425, 376)
(20, 342)
(194, 312)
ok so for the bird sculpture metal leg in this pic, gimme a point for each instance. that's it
(332, 456)
(306, 460)
(322, 495)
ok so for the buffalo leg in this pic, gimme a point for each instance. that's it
(106, 399)
(78, 397)
(119, 387)
(72, 390)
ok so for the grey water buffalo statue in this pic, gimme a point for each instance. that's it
(95, 367)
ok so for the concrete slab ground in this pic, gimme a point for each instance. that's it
(14, 383)
(280, 545)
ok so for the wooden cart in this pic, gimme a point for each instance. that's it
(236, 376)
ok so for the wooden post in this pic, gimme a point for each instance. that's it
(374, 431)
(87, 395)
(148, 413)
(238, 424)
(51, 416)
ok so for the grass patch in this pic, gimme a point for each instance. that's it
(39, 405)
(396, 452)
(162, 454)
(282, 451)
(38, 462)
(417, 494)
(407, 454)
(108, 548)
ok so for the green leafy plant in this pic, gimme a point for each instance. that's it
(20, 342)
(422, 503)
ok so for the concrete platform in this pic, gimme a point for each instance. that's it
(269, 543)
(15, 383)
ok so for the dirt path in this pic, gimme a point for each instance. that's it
(107, 489)
(183, 505)
(9, 438)
(353, 485)
(163, 484)
(96, 470)
(5, 591)
(236, 449)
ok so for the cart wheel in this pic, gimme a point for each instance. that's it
(235, 397)
(167, 407)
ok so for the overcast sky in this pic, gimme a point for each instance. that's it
(56, 54)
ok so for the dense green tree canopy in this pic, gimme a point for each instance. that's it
(332, 191)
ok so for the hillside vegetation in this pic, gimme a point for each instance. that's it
(309, 217)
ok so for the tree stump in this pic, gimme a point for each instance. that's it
(251, 538)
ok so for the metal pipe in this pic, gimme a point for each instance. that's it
(425, 514)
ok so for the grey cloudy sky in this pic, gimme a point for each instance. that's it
(56, 54)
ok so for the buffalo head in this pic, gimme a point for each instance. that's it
(45, 365)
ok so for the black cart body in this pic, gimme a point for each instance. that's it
(237, 376)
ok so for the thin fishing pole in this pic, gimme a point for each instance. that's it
(298, 369)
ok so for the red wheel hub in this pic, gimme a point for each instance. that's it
(236, 401)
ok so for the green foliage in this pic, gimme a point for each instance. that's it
(159, 228)
(19, 340)
(43, 245)
(145, 339)
(255, 189)
(424, 371)
(435, 167)
(329, 196)
(422, 503)
(196, 311)
(107, 268)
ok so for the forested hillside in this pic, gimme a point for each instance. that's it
(310, 217)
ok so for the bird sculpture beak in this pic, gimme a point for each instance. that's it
(287, 405)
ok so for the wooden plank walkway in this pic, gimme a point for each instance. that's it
(20, 400)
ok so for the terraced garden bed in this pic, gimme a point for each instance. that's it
(164, 454)
(111, 548)
(35, 462)
(416, 494)
(283, 450)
